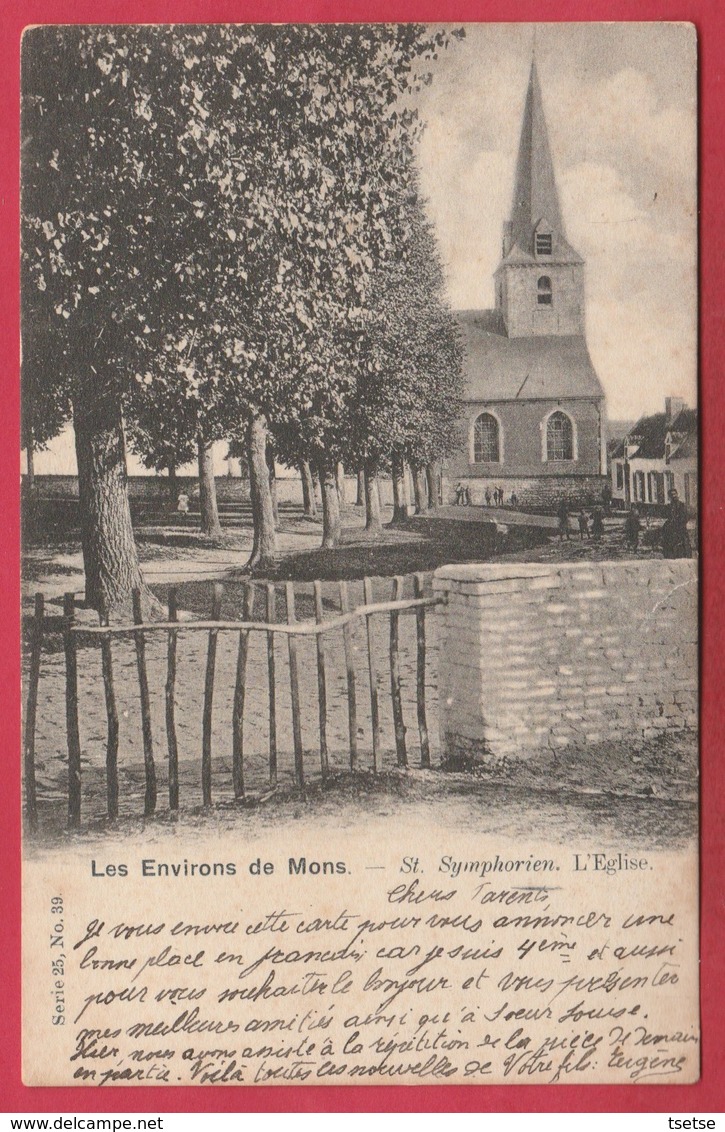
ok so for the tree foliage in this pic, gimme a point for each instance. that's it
(211, 215)
(407, 401)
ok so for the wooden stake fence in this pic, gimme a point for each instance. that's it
(420, 673)
(171, 739)
(373, 675)
(143, 685)
(350, 666)
(206, 735)
(239, 696)
(294, 680)
(395, 683)
(71, 713)
(271, 618)
(293, 629)
(321, 682)
(112, 721)
(36, 648)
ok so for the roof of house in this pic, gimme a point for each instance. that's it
(688, 449)
(650, 433)
(498, 368)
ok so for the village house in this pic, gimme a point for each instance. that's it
(534, 409)
(658, 454)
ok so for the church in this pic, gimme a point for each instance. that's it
(534, 419)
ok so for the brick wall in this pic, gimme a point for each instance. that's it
(543, 494)
(539, 657)
(230, 489)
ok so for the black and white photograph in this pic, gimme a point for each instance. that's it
(360, 553)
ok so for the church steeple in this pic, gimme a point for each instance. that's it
(535, 196)
(540, 280)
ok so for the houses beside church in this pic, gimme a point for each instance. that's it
(658, 454)
(534, 409)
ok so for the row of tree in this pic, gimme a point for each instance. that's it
(224, 237)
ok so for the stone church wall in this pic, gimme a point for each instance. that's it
(525, 317)
(543, 494)
(521, 434)
(543, 656)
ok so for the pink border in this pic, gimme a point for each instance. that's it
(709, 1094)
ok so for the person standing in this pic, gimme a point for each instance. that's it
(487, 496)
(583, 525)
(597, 522)
(563, 514)
(675, 536)
(632, 527)
(607, 497)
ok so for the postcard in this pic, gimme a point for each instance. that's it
(360, 554)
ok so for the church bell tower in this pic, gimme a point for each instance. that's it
(540, 280)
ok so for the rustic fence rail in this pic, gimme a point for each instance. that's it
(293, 630)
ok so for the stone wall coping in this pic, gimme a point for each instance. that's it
(512, 571)
(492, 571)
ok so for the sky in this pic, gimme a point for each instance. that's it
(620, 104)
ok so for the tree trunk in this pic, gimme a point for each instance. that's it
(210, 524)
(419, 489)
(340, 482)
(373, 524)
(360, 501)
(330, 509)
(269, 455)
(30, 457)
(173, 486)
(264, 548)
(431, 475)
(309, 503)
(316, 488)
(110, 558)
(400, 507)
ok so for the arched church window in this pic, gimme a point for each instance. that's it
(559, 437)
(486, 447)
(544, 290)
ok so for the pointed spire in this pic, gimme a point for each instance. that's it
(535, 195)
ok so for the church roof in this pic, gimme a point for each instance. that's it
(535, 194)
(498, 368)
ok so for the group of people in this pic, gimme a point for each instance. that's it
(495, 497)
(498, 497)
(674, 536)
(585, 531)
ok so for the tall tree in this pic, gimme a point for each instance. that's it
(220, 195)
(407, 400)
(80, 199)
